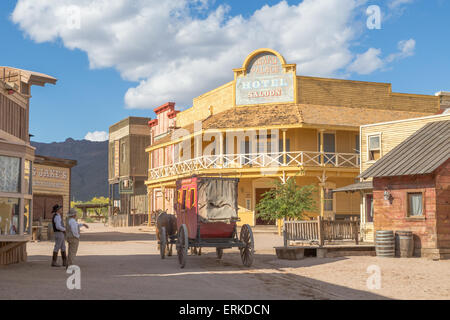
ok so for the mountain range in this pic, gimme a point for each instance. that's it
(90, 175)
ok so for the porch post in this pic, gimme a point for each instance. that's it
(163, 191)
(284, 146)
(322, 199)
(320, 231)
(150, 204)
(321, 147)
(221, 147)
(164, 156)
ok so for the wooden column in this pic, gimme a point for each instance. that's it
(221, 147)
(284, 146)
(322, 199)
(150, 204)
(321, 147)
(163, 191)
(320, 231)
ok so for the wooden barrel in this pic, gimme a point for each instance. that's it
(385, 243)
(404, 244)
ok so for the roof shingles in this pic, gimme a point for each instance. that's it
(297, 114)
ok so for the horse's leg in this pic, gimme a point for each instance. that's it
(157, 237)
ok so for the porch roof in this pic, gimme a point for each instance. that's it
(366, 185)
(300, 115)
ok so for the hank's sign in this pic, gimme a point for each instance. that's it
(265, 82)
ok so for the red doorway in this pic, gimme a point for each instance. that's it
(258, 196)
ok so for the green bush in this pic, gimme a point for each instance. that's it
(286, 201)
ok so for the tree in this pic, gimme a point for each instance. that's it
(286, 201)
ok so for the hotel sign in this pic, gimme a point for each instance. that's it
(265, 81)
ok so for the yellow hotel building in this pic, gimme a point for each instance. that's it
(268, 123)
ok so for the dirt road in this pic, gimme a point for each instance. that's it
(124, 263)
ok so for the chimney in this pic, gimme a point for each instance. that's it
(444, 99)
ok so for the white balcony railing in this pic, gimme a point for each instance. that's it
(257, 160)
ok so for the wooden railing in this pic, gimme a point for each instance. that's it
(318, 231)
(257, 160)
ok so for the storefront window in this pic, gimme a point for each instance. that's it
(9, 216)
(26, 217)
(9, 174)
(27, 177)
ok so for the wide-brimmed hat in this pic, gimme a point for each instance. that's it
(56, 207)
(72, 213)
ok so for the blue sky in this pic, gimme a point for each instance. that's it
(102, 80)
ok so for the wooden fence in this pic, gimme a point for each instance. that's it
(123, 220)
(320, 231)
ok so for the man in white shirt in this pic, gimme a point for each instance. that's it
(73, 235)
(58, 230)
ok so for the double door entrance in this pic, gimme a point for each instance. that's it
(43, 204)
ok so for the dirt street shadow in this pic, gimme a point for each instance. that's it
(150, 277)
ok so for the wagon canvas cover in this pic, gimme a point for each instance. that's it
(217, 200)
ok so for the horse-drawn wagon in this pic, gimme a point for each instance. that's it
(206, 215)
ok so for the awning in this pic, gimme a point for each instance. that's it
(366, 185)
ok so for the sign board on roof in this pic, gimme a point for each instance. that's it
(265, 81)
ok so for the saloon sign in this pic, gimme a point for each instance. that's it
(265, 81)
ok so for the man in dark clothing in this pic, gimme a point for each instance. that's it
(59, 230)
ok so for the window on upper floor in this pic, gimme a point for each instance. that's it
(374, 147)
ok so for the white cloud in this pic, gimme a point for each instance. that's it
(397, 3)
(371, 60)
(96, 136)
(406, 49)
(174, 55)
(367, 62)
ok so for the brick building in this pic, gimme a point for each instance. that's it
(411, 189)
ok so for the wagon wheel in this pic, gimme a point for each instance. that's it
(162, 242)
(219, 252)
(248, 249)
(182, 245)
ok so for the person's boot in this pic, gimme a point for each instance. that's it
(54, 260)
(64, 258)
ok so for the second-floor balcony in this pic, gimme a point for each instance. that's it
(299, 159)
